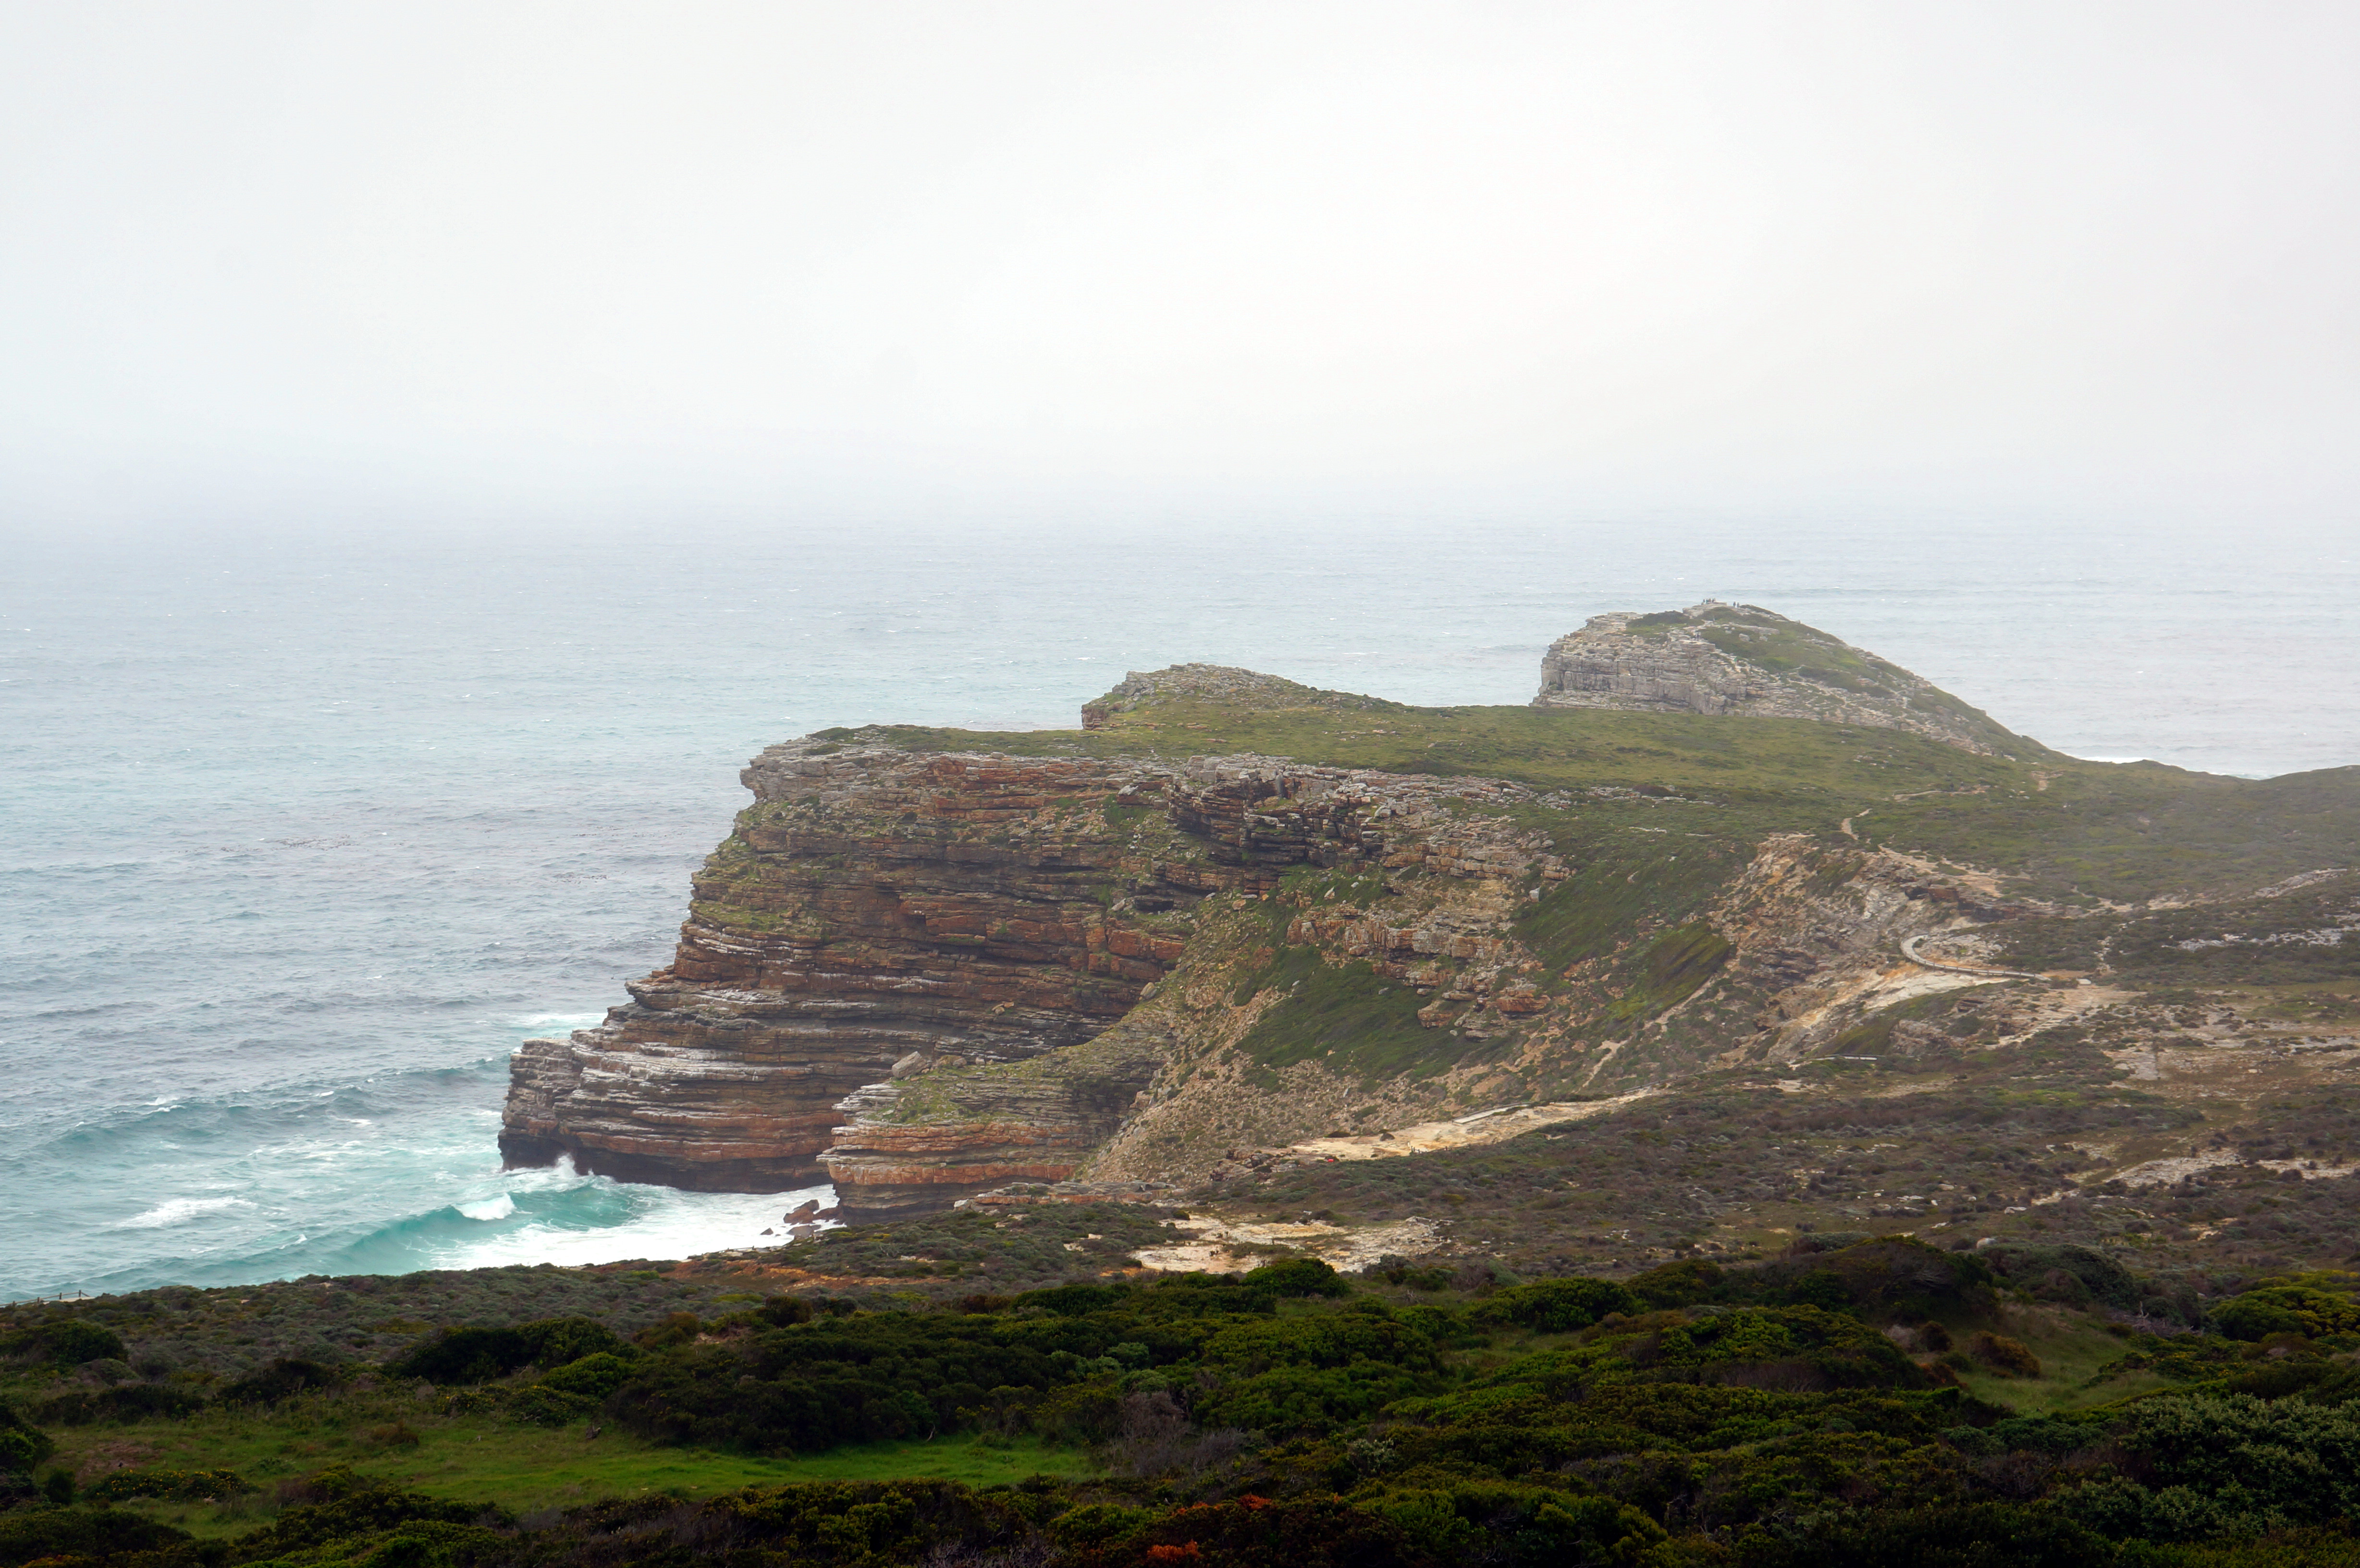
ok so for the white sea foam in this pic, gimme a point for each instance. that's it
(498, 1206)
(180, 1210)
(664, 1223)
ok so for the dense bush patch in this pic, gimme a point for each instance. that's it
(1795, 1410)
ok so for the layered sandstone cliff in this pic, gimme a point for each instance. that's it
(1719, 658)
(921, 973)
(880, 952)
(872, 908)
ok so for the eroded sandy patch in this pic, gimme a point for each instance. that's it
(1484, 1126)
(1226, 1246)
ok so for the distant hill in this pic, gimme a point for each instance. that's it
(1740, 659)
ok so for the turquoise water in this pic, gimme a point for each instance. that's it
(298, 839)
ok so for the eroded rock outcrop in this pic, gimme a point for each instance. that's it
(1719, 658)
(923, 973)
(889, 934)
(873, 905)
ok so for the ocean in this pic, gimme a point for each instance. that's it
(301, 831)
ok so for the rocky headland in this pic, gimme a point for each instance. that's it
(1234, 923)
(1717, 659)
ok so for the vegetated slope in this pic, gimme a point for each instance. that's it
(1846, 1403)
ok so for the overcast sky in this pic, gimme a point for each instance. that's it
(2049, 254)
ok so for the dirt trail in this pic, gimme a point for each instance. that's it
(1909, 951)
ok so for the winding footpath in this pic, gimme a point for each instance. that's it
(1909, 951)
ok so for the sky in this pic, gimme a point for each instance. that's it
(2090, 258)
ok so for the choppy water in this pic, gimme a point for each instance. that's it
(298, 839)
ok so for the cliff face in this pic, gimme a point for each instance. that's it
(872, 908)
(927, 963)
(880, 952)
(1294, 836)
(922, 974)
(1735, 659)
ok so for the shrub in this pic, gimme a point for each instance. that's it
(2073, 1275)
(1296, 1277)
(1303, 1400)
(2227, 1464)
(169, 1486)
(1821, 1288)
(1506, 1522)
(593, 1377)
(481, 1355)
(63, 1342)
(1325, 1339)
(559, 1341)
(1314, 1532)
(346, 1506)
(22, 1444)
(124, 1402)
(1073, 1300)
(1558, 1306)
(541, 1405)
(32, 1534)
(2008, 1357)
(1981, 1535)
(873, 1376)
(677, 1328)
(1679, 1284)
(2285, 1309)
(282, 1378)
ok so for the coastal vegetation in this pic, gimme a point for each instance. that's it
(1851, 1400)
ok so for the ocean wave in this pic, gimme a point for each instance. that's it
(559, 1215)
(180, 1210)
(567, 1021)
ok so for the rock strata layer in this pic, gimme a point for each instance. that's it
(879, 952)
(873, 907)
(878, 914)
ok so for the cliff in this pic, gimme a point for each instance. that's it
(876, 954)
(1740, 660)
(874, 912)
(1233, 913)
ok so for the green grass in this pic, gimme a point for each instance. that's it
(1671, 968)
(482, 1458)
(1349, 1017)
(2072, 1348)
(1596, 909)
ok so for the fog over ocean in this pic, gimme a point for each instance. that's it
(298, 838)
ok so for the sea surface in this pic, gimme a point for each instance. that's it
(303, 830)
